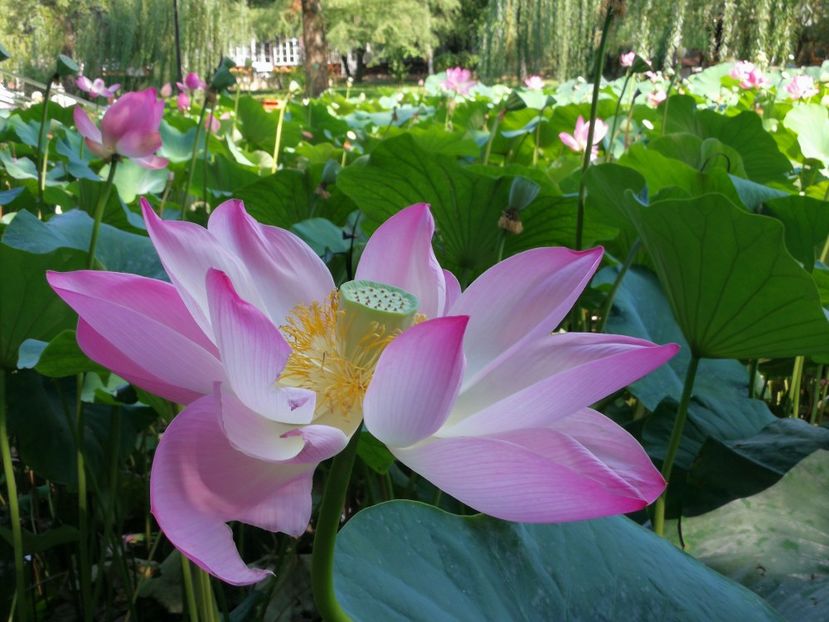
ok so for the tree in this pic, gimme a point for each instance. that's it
(316, 51)
(390, 29)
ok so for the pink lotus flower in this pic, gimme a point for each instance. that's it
(626, 59)
(212, 124)
(577, 141)
(166, 90)
(656, 97)
(192, 82)
(470, 389)
(183, 102)
(458, 80)
(97, 87)
(801, 87)
(534, 82)
(129, 128)
(749, 75)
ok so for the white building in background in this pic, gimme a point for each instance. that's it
(279, 55)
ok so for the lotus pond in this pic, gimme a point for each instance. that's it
(428, 353)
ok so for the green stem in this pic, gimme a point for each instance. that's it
(328, 522)
(189, 593)
(752, 377)
(14, 508)
(613, 127)
(208, 607)
(611, 296)
(816, 395)
(536, 147)
(495, 125)
(673, 444)
(667, 102)
(85, 569)
(42, 173)
(103, 199)
(185, 202)
(40, 137)
(235, 110)
(794, 389)
(594, 105)
(502, 240)
(278, 138)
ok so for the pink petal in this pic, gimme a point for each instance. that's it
(542, 475)
(96, 347)
(151, 162)
(416, 381)
(85, 126)
(98, 149)
(453, 291)
(288, 271)
(138, 144)
(187, 252)
(599, 132)
(520, 299)
(146, 322)
(554, 387)
(199, 482)
(400, 253)
(253, 353)
(265, 439)
(570, 141)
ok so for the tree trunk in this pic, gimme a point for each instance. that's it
(359, 71)
(346, 68)
(316, 50)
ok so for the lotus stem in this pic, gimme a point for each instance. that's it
(794, 388)
(614, 127)
(611, 296)
(40, 136)
(103, 199)
(192, 169)
(278, 138)
(594, 105)
(14, 508)
(492, 135)
(189, 592)
(673, 444)
(328, 522)
(85, 569)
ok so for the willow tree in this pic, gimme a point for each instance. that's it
(390, 29)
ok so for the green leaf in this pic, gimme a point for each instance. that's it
(29, 309)
(34, 543)
(374, 453)
(727, 470)
(57, 358)
(807, 225)
(133, 180)
(810, 122)
(322, 235)
(734, 289)
(117, 250)
(408, 561)
(721, 408)
(773, 542)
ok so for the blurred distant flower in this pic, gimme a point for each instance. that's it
(129, 128)
(801, 87)
(534, 82)
(97, 87)
(212, 124)
(458, 80)
(656, 97)
(183, 102)
(166, 90)
(577, 141)
(749, 75)
(192, 82)
(626, 59)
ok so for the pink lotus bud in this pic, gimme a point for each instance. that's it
(193, 82)
(626, 59)
(129, 129)
(166, 90)
(183, 102)
(534, 83)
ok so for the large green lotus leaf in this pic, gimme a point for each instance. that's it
(702, 155)
(775, 542)
(29, 309)
(762, 160)
(466, 205)
(57, 358)
(733, 287)
(258, 127)
(176, 143)
(810, 122)
(807, 225)
(720, 409)
(662, 172)
(133, 180)
(286, 198)
(727, 470)
(116, 250)
(404, 560)
(438, 140)
(41, 411)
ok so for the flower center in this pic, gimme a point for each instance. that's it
(336, 343)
